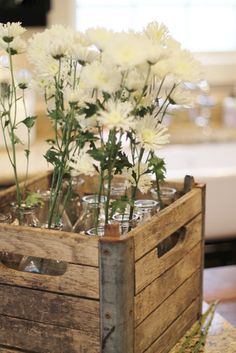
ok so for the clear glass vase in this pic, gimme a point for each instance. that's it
(125, 224)
(92, 217)
(146, 209)
(167, 195)
(43, 211)
(73, 198)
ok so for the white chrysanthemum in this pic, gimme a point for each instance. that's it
(185, 67)
(126, 50)
(23, 78)
(9, 31)
(58, 48)
(82, 39)
(99, 36)
(150, 135)
(137, 176)
(87, 123)
(16, 46)
(72, 95)
(181, 96)
(83, 163)
(83, 54)
(157, 32)
(117, 115)
(103, 77)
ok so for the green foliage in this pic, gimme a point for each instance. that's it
(29, 121)
(157, 166)
(33, 199)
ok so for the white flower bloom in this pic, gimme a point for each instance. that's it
(99, 36)
(23, 78)
(82, 163)
(150, 134)
(58, 48)
(185, 67)
(157, 32)
(125, 50)
(9, 31)
(105, 78)
(135, 79)
(181, 96)
(72, 95)
(117, 116)
(16, 46)
(87, 123)
(141, 179)
(82, 54)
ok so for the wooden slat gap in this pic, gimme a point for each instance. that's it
(10, 349)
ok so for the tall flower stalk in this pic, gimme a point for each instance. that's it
(10, 98)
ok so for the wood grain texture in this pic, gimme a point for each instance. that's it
(41, 338)
(166, 222)
(174, 332)
(117, 295)
(160, 289)
(49, 244)
(158, 321)
(11, 350)
(49, 308)
(149, 267)
(77, 280)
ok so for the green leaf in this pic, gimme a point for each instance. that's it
(53, 157)
(29, 121)
(33, 198)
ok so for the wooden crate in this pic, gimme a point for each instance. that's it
(132, 294)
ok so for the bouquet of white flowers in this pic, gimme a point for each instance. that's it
(106, 95)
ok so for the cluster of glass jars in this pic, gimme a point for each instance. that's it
(84, 214)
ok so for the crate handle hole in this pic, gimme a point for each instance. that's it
(31, 264)
(171, 241)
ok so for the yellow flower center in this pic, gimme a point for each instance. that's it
(148, 135)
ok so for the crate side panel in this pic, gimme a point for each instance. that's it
(10, 350)
(160, 289)
(173, 217)
(41, 338)
(77, 280)
(173, 333)
(49, 308)
(158, 321)
(151, 266)
(49, 244)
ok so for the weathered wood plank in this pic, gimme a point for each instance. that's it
(49, 244)
(147, 236)
(158, 321)
(183, 322)
(149, 267)
(117, 295)
(77, 280)
(160, 289)
(49, 308)
(41, 338)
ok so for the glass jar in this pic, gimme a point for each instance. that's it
(146, 209)
(125, 224)
(73, 194)
(167, 195)
(24, 215)
(117, 189)
(43, 209)
(92, 215)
